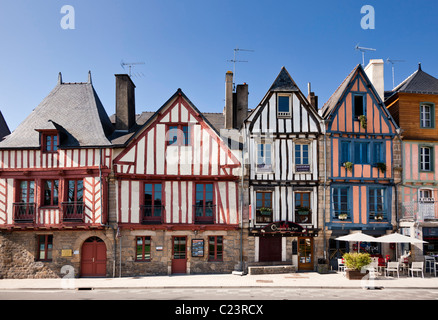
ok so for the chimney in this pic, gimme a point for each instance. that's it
(229, 100)
(313, 100)
(374, 71)
(125, 102)
(240, 105)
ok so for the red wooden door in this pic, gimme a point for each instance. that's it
(270, 249)
(93, 258)
(179, 258)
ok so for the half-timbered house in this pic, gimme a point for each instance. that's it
(360, 141)
(413, 106)
(53, 170)
(281, 137)
(177, 193)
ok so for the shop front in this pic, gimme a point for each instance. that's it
(286, 243)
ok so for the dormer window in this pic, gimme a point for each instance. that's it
(284, 106)
(49, 141)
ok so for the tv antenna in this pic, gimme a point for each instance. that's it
(130, 65)
(391, 61)
(236, 50)
(363, 49)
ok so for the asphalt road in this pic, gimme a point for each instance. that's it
(244, 294)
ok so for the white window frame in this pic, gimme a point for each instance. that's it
(268, 168)
(309, 144)
(423, 162)
(284, 114)
(423, 113)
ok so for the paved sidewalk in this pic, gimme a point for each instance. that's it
(290, 280)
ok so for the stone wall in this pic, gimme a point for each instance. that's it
(18, 254)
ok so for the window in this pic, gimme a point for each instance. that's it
(263, 207)
(427, 115)
(302, 207)
(204, 204)
(45, 247)
(376, 203)
(345, 152)
(73, 208)
(50, 142)
(426, 156)
(378, 152)
(264, 157)
(24, 208)
(361, 153)
(26, 193)
(284, 106)
(302, 154)
(341, 206)
(143, 250)
(215, 248)
(152, 202)
(75, 191)
(50, 196)
(359, 105)
(178, 135)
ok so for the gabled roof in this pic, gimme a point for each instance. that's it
(418, 82)
(75, 110)
(146, 118)
(284, 82)
(333, 100)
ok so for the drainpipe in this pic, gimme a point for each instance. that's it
(325, 186)
(242, 197)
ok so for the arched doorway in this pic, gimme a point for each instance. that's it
(93, 258)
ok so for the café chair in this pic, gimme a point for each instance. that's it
(393, 267)
(417, 267)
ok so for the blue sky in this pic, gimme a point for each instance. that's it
(186, 44)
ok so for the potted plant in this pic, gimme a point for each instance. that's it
(265, 211)
(355, 263)
(349, 166)
(303, 211)
(343, 216)
(363, 121)
(378, 217)
(381, 166)
(322, 267)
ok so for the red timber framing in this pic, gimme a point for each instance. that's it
(197, 157)
(91, 166)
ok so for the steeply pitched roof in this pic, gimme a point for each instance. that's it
(4, 129)
(284, 82)
(75, 110)
(418, 82)
(333, 100)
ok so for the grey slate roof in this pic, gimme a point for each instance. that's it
(284, 82)
(4, 129)
(418, 82)
(75, 110)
